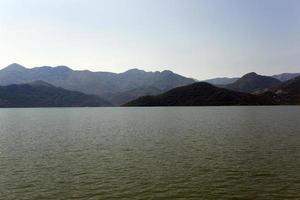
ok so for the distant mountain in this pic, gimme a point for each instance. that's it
(286, 76)
(225, 81)
(42, 94)
(200, 94)
(104, 84)
(253, 82)
(221, 81)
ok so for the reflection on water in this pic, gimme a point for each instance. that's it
(150, 153)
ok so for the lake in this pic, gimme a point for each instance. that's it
(150, 153)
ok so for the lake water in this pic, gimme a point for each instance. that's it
(150, 153)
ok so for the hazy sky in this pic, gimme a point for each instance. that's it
(196, 38)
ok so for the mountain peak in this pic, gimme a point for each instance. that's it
(63, 68)
(14, 66)
(167, 72)
(251, 74)
(134, 71)
(252, 82)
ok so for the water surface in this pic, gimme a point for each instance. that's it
(150, 153)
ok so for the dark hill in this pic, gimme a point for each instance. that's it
(200, 94)
(288, 92)
(42, 94)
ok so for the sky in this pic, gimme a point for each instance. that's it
(196, 38)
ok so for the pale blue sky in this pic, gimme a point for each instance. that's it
(196, 38)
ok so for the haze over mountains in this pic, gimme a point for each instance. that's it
(221, 81)
(286, 76)
(62, 86)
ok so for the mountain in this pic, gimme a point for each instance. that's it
(221, 81)
(42, 94)
(288, 92)
(15, 67)
(200, 94)
(104, 84)
(253, 82)
(286, 76)
(127, 96)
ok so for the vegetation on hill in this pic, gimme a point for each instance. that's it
(200, 94)
(41, 94)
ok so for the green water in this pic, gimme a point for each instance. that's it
(150, 153)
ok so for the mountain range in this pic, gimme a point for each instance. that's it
(251, 89)
(61, 86)
(225, 80)
(113, 87)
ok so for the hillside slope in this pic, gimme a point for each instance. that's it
(42, 94)
(200, 94)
